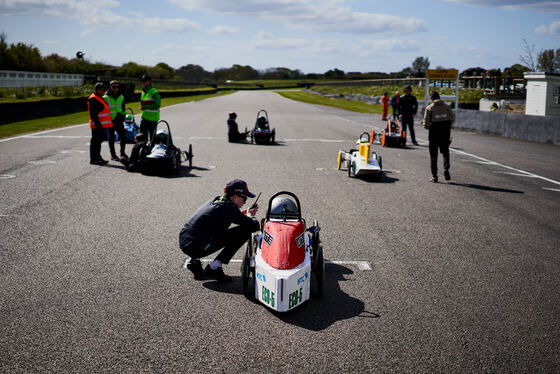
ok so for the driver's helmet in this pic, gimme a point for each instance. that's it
(283, 206)
(161, 136)
(232, 115)
(262, 122)
(128, 118)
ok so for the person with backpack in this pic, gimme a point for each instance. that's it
(438, 119)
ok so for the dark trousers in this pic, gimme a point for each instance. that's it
(438, 137)
(408, 121)
(97, 137)
(237, 137)
(118, 127)
(148, 128)
(230, 240)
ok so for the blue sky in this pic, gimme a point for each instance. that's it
(310, 35)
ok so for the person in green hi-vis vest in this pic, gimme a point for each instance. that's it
(115, 100)
(150, 103)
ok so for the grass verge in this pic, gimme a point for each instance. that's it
(48, 123)
(355, 106)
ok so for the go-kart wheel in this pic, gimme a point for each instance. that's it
(380, 162)
(248, 288)
(315, 243)
(349, 166)
(190, 156)
(252, 138)
(318, 275)
(383, 139)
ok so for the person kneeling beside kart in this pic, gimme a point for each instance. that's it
(139, 151)
(207, 230)
(234, 136)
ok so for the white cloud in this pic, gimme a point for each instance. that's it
(552, 29)
(265, 41)
(310, 15)
(224, 30)
(390, 45)
(544, 6)
(156, 24)
(92, 13)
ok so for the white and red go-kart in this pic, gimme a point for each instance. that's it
(284, 264)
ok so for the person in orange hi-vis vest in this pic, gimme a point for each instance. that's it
(385, 103)
(99, 121)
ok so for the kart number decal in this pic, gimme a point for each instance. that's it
(267, 296)
(300, 241)
(267, 237)
(295, 298)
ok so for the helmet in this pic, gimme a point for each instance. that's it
(261, 121)
(232, 115)
(128, 118)
(283, 206)
(161, 136)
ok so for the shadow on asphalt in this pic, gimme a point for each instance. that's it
(184, 172)
(317, 313)
(484, 188)
(384, 178)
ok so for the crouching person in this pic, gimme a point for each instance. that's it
(208, 230)
(139, 151)
(234, 136)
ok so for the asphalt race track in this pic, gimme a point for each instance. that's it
(463, 276)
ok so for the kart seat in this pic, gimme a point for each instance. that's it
(364, 149)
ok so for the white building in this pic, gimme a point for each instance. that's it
(13, 79)
(543, 94)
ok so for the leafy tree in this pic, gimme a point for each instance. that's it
(132, 70)
(517, 70)
(239, 72)
(281, 73)
(336, 74)
(193, 73)
(420, 66)
(165, 71)
(548, 60)
(475, 71)
(6, 61)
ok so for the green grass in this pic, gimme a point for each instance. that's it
(47, 123)
(355, 106)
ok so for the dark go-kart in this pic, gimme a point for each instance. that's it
(162, 156)
(392, 135)
(262, 133)
(284, 266)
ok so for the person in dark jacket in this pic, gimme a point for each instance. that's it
(408, 106)
(234, 135)
(438, 120)
(99, 122)
(139, 150)
(208, 230)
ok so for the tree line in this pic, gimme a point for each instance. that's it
(26, 57)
